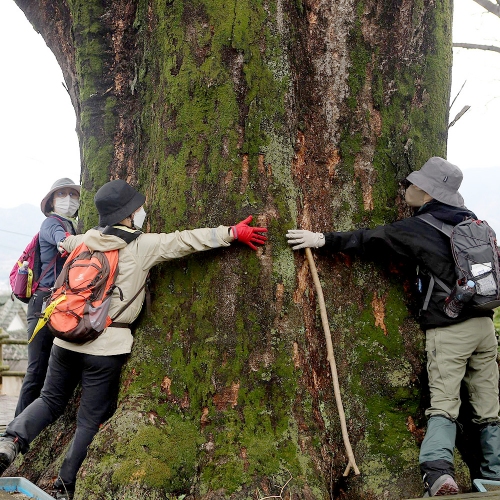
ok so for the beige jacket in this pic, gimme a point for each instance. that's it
(135, 261)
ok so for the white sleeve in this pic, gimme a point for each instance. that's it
(159, 247)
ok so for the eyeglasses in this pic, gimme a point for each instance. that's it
(67, 192)
(405, 183)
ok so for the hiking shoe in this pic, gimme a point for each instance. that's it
(9, 448)
(443, 485)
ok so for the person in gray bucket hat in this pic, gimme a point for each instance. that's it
(460, 349)
(440, 180)
(63, 189)
(59, 205)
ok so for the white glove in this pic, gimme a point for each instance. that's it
(304, 239)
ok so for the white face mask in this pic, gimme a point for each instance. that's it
(139, 218)
(66, 206)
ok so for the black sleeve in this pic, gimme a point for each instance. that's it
(396, 239)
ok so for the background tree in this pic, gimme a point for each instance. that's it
(305, 113)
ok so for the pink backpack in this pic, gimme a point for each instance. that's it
(26, 273)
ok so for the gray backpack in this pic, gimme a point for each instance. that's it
(475, 251)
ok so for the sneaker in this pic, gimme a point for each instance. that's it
(443, 485)
(9, 448)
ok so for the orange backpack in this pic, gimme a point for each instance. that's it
(77, 310)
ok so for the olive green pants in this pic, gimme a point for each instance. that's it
(466, 351)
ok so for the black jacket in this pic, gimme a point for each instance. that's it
(413, 240)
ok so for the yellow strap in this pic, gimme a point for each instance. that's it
(46, 315)
(29, 284)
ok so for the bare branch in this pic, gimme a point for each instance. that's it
(461, 88)
(459, 115)
(489, 6)
(493, 48)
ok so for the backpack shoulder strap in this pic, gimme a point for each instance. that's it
(436, 223)
(433, 280)
(445, 229)
(128, 235)
(65, 224)
(144, 286)
(51, 265)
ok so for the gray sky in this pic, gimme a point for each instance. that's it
(473, 140)
(38, 143)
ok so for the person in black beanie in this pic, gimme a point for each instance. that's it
(97, 364)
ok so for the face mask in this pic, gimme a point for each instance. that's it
(415, 197)
(139, 218)
(66, 206)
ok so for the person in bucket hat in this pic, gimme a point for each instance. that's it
(439, 179)
(465, 346)
(63, 198)
(59, 205)
(98, 363)
(115, 201)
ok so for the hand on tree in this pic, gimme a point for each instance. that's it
(249, 235)
(304, 239)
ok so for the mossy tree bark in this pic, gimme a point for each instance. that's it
(305, 113)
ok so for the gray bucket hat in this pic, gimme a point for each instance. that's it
(59, 184)
(440, 179)
(115, 201)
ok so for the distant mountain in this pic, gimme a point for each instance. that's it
(17, 228)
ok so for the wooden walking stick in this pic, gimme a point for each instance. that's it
(333, 366)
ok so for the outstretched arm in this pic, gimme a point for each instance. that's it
(400, 238)
(155, 248)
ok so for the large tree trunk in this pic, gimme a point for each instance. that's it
(305, 113)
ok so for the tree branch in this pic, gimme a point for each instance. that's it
(489, 6)
(493, 48)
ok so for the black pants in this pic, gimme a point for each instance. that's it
(38, 354)
(99, 376)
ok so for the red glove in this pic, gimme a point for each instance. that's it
(249, 235)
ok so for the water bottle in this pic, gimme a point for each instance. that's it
(21, 283)
(462, 292)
